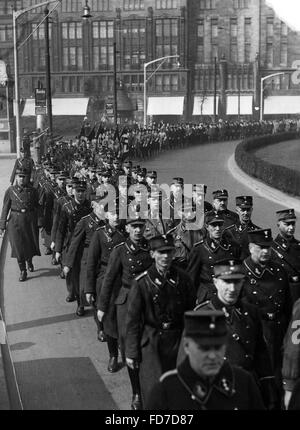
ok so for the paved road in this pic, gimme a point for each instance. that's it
(59, 362)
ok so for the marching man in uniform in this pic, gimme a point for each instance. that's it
(21, 202)
(204, 381)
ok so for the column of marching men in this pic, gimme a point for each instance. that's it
(201, 317)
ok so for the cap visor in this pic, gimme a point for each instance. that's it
(232, 276)
(267, 244)
(208, 340)
(165, 248)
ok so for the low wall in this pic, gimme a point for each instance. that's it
(280, 177)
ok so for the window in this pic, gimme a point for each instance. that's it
(133, 4)
(71, 6)
(103, 29)
(248, 28)
(200, 54)
(200, 28)
(5, 32)
(214, 28)
(270, 54)
(166, 4)
(234, 52)
(166, 31)
(72, 57)
(284, 29)
(270, 27)
(133, 44)
(233, 27)
(240, 4)
(174, 82)
(207, 4)
(71, 30)
(100, 5)
(214, 52)
(283, 54)
(247, 53)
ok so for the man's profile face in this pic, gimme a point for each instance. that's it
(260, 254)
(205, 360)
(287, 228)
(220, 204)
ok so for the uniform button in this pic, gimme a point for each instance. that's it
(280, 279)
(247, 326)
(130, 259)
(254, 292)
(132, 267)
(247, 341)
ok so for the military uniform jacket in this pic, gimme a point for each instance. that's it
(58, 205)
(184, 241)
(268, 289)
(91, 189)
(71, 213)
(246, 346)
(126, 261)
(182, 389)
(155, 301)
(102, 243)
(20, 213)
(239, 233)
(287, 254)
(201, 262)
(81, 238)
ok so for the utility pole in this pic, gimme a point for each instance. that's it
(115, 87)
(215, 89)
(48, 73)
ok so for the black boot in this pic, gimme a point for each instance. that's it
(136, 402)
(113, 365)
(23, 276)
(30, 266)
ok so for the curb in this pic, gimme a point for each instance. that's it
(261, 188)
(10, 156)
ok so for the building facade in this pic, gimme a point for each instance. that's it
(225, 47)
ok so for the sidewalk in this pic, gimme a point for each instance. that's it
(261, 188)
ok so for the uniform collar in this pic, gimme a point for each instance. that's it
(283, 243)
(256, 269)
(160, 280)
(136, 248)
(201, 389)
(215, 245)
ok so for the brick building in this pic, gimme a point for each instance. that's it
(224, 48)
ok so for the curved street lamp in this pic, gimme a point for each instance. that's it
(162, 60)
(16, 14)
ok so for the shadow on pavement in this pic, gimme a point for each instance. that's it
(21, 346)
(62, 384)
(46, 321)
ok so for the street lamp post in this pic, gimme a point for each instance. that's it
(262, 80)
(162, 59)
(16, 15)
(215, 89)
(48, 74)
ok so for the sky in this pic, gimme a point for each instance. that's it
(288, 11)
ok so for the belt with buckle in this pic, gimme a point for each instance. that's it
(22, 211)
(169, 325)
